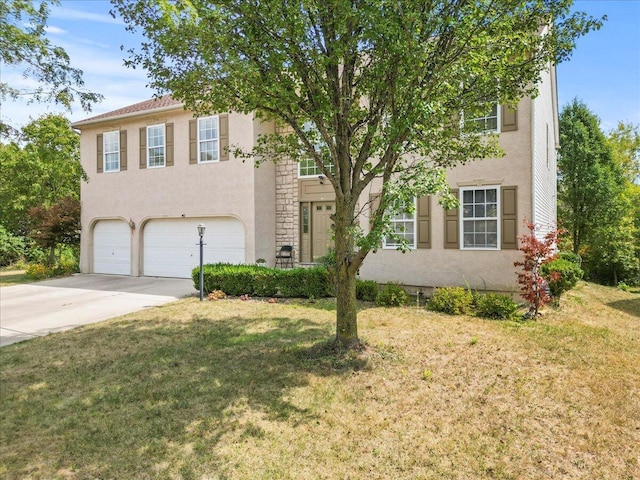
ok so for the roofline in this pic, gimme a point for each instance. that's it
(139, 113)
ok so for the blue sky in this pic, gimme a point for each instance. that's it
(604, 70)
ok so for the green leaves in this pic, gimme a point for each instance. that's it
(23, 44)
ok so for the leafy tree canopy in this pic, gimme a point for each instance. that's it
(23, 44)
(373, 87)
(39, 171)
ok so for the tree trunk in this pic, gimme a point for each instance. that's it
(347, 312)
(345, 276)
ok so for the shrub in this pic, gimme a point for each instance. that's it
(533, 285)
(494, 305)
(37, 271)
(392, 295)
(570, 257)
(11, 247)
(451, 300)
(239, 280)
(366, 290)
(305, 283)
(562, 275)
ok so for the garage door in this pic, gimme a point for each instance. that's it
(171, 245)
(112, 247)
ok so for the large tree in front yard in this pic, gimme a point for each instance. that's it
(375, 88)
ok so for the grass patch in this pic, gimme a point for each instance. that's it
(250, 390)
(13, 277)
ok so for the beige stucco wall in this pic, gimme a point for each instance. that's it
(438, 266)
(231, 188)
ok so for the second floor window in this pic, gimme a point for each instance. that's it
(307, 168)
(111, 151)
(155, 146)
(488, 122)
(208, 139)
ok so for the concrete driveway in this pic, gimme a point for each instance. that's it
(32, 310)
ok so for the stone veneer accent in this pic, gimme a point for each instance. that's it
(287, 206)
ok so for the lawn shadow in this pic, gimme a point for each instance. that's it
(141, 391)
(632, 306)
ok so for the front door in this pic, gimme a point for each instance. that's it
(321, 235)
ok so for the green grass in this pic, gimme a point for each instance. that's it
(251, 390)
(16, 277)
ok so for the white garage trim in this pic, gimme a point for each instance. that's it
(170, 245)
(112, 247)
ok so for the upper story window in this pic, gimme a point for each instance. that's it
(111, 151)
(208, 139)
(308, 168)
(480, 209)
(404, 226)
(489, 122)
(156, 146)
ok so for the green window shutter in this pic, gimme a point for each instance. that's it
(424, 222)
(193, 142)
(223, 128)
(143, 147)
(168, 145)
(123, 150)
(452, 226)
(509, 119)
(509, 218)
(100, 153)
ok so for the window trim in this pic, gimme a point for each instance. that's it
(313, 175)
(498, 217)
(485, 117)
(164, 145)
(414, 245)
(199, 141)
(105, 135)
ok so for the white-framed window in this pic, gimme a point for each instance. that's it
(156, 146)
(208, 139)
(489, 122)
(404, 226)
(480, 214)
(111, 151)
(307, 168)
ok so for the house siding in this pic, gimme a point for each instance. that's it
(544, 158)
(483, 270)
(219, 189)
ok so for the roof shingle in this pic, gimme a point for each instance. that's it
(146, 105)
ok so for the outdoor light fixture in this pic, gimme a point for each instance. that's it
(201, 229)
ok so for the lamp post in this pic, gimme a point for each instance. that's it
(201, 229)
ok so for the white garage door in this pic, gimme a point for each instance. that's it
(112, 247)
(171, 245)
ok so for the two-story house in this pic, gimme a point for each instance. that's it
(156, 172)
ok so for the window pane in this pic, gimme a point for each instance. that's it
(479, 196)
(479, 211)
(492, 195)
(467, 196)
(492, 210)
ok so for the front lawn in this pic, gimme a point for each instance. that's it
(250, 390)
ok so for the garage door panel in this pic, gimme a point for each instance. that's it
(171, 246)
(112, 247)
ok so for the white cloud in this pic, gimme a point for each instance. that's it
(55, 30)
(72, 14)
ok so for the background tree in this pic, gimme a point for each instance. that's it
(56, 225)
(594, 195)
(23, 44)
(589, 183)
(39, 171)
(374, 88)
